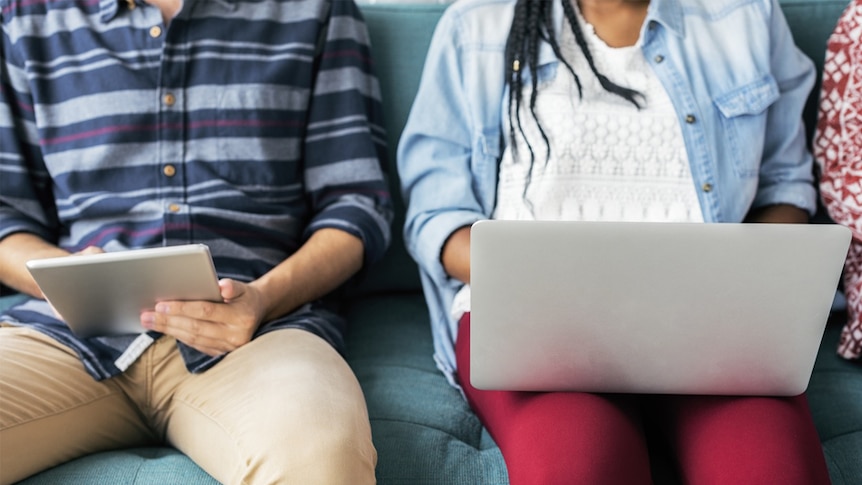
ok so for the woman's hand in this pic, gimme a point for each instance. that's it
(778, 213)
(213, 328)
(456, 255)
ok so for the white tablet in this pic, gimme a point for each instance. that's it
(104, 294)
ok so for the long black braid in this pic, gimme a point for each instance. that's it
(532, 23)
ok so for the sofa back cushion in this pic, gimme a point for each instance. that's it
(400, 35)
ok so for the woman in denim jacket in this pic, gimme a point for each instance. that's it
(670, 110)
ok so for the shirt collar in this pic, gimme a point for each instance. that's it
(109, 9)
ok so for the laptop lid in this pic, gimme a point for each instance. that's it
(682, 308)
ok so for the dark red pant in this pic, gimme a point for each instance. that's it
(569, 438)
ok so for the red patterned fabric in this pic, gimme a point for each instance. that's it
(838, 153)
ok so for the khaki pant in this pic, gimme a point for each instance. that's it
(284, 408)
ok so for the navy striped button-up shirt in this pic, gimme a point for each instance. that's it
(245, 126)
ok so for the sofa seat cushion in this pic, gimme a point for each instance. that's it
(135, 466)
(835, 397)
(424, 430)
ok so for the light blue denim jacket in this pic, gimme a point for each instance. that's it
(730, 67)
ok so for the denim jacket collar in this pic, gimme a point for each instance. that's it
(668, 13)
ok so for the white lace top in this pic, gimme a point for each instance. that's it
(609, 160)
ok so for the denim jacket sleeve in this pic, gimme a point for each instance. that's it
(786, 170)
(447, 156)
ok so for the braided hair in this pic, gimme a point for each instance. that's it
(531, 24)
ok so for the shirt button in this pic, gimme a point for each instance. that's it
(169, 170)
(155, 31)
(659, 58)
(174, 208)
(690, 119)
(707, 187)
(169, 99)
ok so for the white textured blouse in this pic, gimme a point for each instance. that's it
(609, 160)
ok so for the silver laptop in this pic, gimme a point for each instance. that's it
(728, 309)
(104, 294)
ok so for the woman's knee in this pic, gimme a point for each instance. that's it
(572, 438)
(746, 440)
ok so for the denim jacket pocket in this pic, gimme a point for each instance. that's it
(743, 119)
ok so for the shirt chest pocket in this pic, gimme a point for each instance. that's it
(743, 117)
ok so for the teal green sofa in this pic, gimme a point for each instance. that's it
(424, 432)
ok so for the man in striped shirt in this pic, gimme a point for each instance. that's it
(252, 127)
